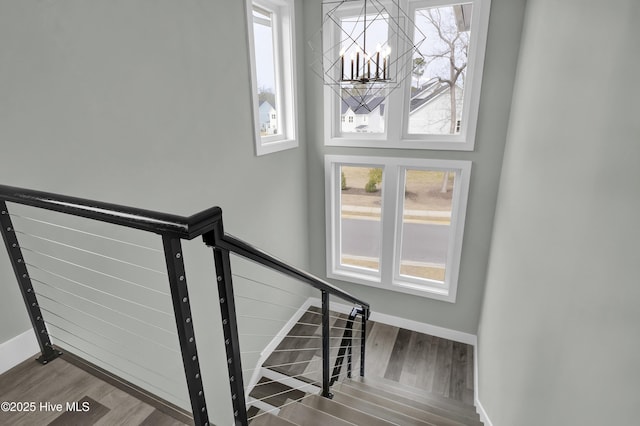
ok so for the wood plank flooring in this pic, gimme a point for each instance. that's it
(417, 360)
(60, 382)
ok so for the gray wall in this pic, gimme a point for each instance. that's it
(146, 103)
(500, 63)
(558, 338)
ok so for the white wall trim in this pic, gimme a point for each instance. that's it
(277, 339)
(18, 349)
(420, 327)
(484, 417)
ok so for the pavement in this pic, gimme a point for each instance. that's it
(421, 216)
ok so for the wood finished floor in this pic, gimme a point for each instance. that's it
(413, 359)
(60, 382)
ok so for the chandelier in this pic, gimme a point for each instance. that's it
(365, 49)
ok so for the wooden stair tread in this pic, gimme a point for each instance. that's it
(465, 414)
(344, 412)
(414, 394)
(268, 419)
(376, 410)
(307, 416)
(274, 393)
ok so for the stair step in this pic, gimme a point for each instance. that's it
(268, 419)
(461, 414)
(428, 416)
(274, 393)
(376, 410)
(344, 412)
(307, 416)
(415, 394)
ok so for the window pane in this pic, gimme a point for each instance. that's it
(426, 223)
(360, 208)
(362, 105)
(268, 108)
(434, 107)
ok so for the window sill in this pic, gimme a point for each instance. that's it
(267, 147)
(430, 292)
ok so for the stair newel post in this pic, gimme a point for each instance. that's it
(184, 324)
(229, 324)
(26, 287)
(325, 346)
(363, 337)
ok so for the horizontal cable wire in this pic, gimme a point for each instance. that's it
(293, 350)
(269, 285)
(164, 273)
(288, 377)
(117, 355)
(173, 333)
(282, 365)
(330, 316)
(92, 270)
(269, 303)
(114, 325)
(298, 323)
(119, 369)
(294, 337)
(287, 306)
(283, 392)
(279, 408)
(86, 233)
(95, 289)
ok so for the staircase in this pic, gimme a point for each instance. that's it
(310, 378)
(290, 388)
(363, 402)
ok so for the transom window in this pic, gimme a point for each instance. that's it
(436, 106)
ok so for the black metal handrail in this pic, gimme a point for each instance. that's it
(172, 229)
(237, 246)
(146, 220)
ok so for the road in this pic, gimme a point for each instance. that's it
(422, 242)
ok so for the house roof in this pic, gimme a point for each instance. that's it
(265, 102)
(361, 105)
(427, 92)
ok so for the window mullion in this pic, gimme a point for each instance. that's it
(388, 222)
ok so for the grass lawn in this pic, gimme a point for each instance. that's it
(423, 189)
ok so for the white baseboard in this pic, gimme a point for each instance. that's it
(18, 349)
(484, 417)
(277, 339)
(420, 327)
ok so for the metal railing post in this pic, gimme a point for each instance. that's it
(325, 346)
(345, 346)
(229, 326)
(26, 287)
(182, 311)
(363, 340)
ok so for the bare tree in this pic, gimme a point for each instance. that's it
(451, 48)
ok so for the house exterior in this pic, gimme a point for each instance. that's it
(430, 110)
(362, 115)
(268, 119)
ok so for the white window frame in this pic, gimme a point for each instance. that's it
(397, 103)
(388, 275)
(285, 63)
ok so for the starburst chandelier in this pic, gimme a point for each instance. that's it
(363, 50)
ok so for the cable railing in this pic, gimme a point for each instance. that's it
(118, 301)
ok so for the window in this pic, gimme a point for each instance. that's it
(396, 223)
(272, 71)
(436, 106)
